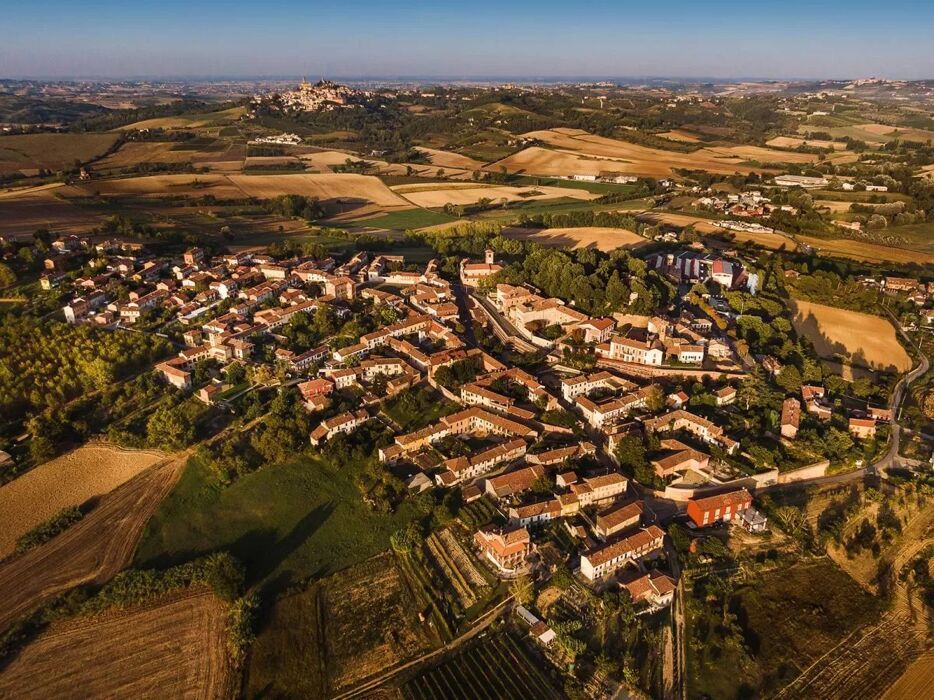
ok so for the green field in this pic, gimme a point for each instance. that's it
(777, 624)
(409, 218)
(286, 522)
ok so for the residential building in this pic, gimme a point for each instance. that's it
(606, 559)
(722, 508)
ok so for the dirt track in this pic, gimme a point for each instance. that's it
(92, 551)
(174, 647)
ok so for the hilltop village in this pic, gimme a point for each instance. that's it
(628, 409)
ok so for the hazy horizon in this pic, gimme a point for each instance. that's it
(721, 39)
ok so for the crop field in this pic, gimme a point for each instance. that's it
(189, 121)
(872, 133)
(679, 135)
(916, 682)
(599, 237)
(407, 219)
(869, 252)
(863, 339)
(69, 480)
(769, 241)
(447, 159)
(337, 631)
(51, 151)
(181, 185)
(324, 186)
(134, 152)
(90, 552)
(496, 666)
(23, 214)
(370, 623)
(580, 152)
(438, 197)
(700, 224)
(171, 648)
(794, 142)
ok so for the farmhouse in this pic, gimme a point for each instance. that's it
(655, 588)
(862, 428)
(506, 548)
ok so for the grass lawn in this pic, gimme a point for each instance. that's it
(409, 218)
(784, 621)
(286, 522)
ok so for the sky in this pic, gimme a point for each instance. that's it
(467, 39)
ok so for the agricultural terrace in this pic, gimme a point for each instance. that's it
(496, 666)
(169, 648)
(863, 339)
(69, 480)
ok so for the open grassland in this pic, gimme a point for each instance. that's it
(90, 552)
(863, 339)
(578, 152)
(23, 214)
(599, 237)
(69, 480)
(336, 632)
(496, 666)
(497, 193)
(174, 647)
(51, 151)
(286, 522)
(868, 252)
(189, 121)
(447, 159)
(873, 134)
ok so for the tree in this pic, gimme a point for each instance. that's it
(7, 276)
(168, 429)
(522, 590)
(789, 379)
(405, 539)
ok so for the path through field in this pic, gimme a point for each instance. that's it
(92, 551)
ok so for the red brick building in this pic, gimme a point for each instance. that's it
(716, 509)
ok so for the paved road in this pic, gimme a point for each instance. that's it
(505, 327)
(890, 458)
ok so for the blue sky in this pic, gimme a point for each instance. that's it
(714, 38)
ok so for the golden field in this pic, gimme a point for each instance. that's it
(863, 339)
(65, 481)
(599, 237)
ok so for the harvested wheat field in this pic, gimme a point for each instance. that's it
(324, 186)
(51, 151)
(69, 480)
(447, 159)
(631, 158)
(916, 682)
(91, 551)
(679, 135)
(135, 152)
(863, 250)
(700, 224)
(794, 142)
(181, 185)
(834, 206)
(324, 160)
(22, 214)
(599, 237)
(769, 241)
(174, 647)
(863, 339)
(470, 195)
